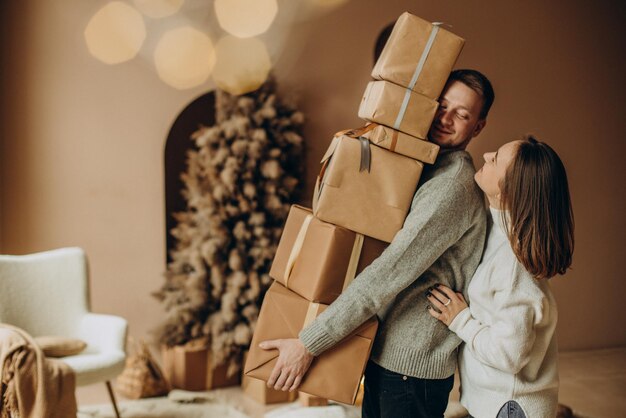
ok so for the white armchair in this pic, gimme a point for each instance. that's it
(47, 293)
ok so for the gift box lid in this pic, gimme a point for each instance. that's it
(418, 55)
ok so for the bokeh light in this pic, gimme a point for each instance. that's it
(242, 65)
(115, 33)
(157, 9)
(245, 18)
(184, 57)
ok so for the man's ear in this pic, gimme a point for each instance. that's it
(479, 127)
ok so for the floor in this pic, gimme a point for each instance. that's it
(593, 383)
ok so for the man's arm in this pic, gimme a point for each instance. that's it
(438, 218)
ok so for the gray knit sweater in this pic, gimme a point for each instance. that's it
(441, 242)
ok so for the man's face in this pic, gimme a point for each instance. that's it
(458, 117)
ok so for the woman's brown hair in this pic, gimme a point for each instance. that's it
(541, 222)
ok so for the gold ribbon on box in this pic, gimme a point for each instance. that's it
(311, 313)
(358, 132)
(354, 260)
(297, 248)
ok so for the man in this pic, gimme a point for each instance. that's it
(441, 242)
(413, 358)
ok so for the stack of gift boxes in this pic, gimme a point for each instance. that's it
(362, 196)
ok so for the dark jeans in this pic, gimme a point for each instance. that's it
(392, 395)
(511, 409)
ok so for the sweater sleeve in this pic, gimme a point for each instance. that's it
(506, 342)
(438, 217)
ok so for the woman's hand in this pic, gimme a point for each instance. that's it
(293, 362)
(448, 302)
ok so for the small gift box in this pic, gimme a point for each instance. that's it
(398, 107)
(418, 55)
(396, 141)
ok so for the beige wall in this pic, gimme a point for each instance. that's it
(82, 142)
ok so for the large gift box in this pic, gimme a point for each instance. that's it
(397, 141)
(317, 260)
(418, 55)
(398, 107)
(336, 373)
(190, 367)
(365, 188)
(258, 390)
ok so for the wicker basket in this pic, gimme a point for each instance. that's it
(142, 376)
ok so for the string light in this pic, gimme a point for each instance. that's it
(242, 65)
(245, 18)
(184, 57)
(115, 33)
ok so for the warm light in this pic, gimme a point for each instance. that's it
(242, 64)
(157, 9)
(115, 33)
(184, 58)
(245, 18)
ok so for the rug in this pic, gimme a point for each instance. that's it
(226, 403)
(161, 408)
(165, 408)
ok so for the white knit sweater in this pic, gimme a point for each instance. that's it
(509, 350)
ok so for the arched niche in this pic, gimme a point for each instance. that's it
(201, 111)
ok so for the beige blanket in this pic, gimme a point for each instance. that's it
(31, 385)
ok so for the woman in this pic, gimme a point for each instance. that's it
(508, 364)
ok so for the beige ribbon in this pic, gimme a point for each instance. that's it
(357, 132)
(311, 313)
(394, 141)
(353, 263)
(295, 250)
(354, 260)
(314, 307)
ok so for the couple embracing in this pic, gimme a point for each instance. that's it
(460, 283)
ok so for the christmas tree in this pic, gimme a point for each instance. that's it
(241, 179)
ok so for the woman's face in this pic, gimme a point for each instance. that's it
(491, 176)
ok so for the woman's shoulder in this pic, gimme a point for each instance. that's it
(536, 291)
(507, 263)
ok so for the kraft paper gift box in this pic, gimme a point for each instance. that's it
(398, 107)
(336, 373)
(190, 367)
(317, 260)
(258, 390)
(310, 400)
(419, 55)
(372, 202)
(397, 141)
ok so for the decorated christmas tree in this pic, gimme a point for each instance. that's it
(241, 178)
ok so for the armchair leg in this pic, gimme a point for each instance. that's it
(112, 396)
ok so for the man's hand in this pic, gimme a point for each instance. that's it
(293, 362)
(448, 302)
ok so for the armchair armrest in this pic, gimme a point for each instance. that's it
(106, 332)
